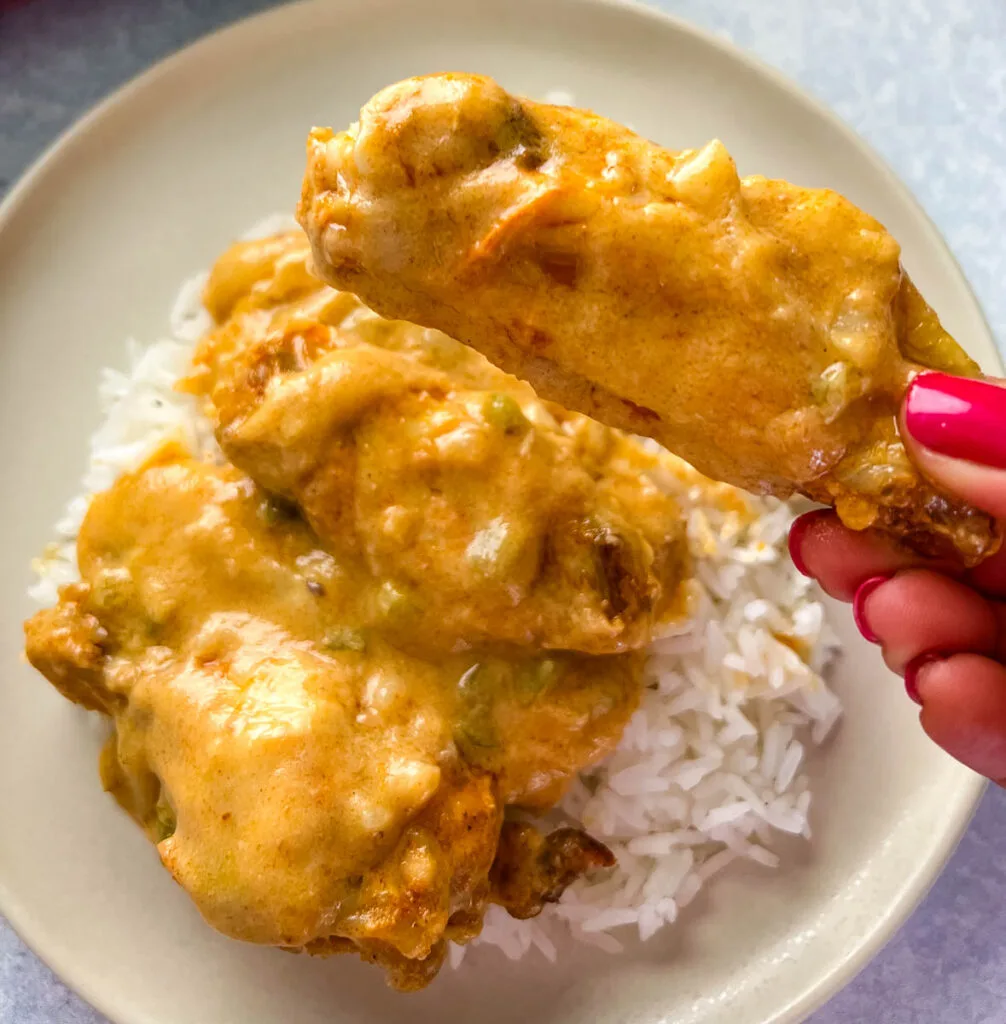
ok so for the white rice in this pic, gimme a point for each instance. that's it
(710, 767)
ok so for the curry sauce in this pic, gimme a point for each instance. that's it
(406, 596)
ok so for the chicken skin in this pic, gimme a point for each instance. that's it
(764, 332)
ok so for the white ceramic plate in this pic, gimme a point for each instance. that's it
(93, 245)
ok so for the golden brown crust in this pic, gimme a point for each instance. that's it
(532, 869)
(65, 644)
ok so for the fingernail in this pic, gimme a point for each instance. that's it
(912, 670)
(865, 589)
(955, 416)
(797, 532)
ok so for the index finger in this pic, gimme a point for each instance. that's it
(841, 559)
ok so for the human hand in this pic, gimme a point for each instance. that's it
(940, 626)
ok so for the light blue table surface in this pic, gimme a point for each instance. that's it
(925, 82)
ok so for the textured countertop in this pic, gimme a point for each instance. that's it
(925, 82)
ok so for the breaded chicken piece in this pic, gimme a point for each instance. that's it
(762, 331)
(308, 784)
(493, 516)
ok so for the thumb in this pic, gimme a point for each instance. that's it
(954, 429)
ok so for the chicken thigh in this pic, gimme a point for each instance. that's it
(762, 331)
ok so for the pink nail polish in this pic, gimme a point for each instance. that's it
(955, 416)
(912, 673)
(863, 591)
(797, 532)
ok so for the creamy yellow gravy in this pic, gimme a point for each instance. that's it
(411, 598)
(763, 331)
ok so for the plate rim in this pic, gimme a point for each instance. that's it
(914, 889)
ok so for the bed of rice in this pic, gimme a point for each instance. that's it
(710, 767)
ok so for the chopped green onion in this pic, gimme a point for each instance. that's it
(165, 822)
(504, 413)
(394, 602)
(345, 638)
